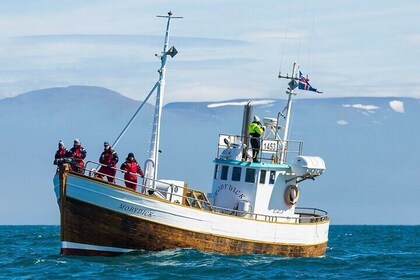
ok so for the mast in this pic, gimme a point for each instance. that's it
(151, 164)
(290, 91)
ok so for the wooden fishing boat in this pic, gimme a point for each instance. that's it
(251, 209)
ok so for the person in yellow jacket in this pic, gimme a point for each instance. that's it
(255, 129)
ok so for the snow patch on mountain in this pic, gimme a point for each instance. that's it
(397, 106)
(342, 122)
(361, 106)
(242, 103)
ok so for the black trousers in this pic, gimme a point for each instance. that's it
(255, 144)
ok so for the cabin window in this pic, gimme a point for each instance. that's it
(272, 177)
(236, 174)
(216, 171)
(263, 174)
(250, 175)
(225, 170)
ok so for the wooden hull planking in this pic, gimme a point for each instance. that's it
(85, 223)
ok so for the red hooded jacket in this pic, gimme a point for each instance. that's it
(109, 157)
(132, 168)
(78, 153)
(61, 153)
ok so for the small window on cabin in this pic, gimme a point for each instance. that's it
(216, 171)
(225, 170)
(250, 175)
(272, 177)
(263, 174)
(236, 174)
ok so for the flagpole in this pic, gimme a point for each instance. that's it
(290, 91)
(295, 82)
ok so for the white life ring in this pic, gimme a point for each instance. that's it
(92, 172)
(291, 195)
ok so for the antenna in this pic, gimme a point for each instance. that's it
(169, 15)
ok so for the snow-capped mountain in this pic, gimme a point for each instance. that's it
(370, 146)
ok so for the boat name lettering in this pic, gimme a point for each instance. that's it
(136, 210)
(230, 188)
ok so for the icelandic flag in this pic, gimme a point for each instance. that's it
(304, 84)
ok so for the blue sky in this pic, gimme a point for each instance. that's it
(227, 49)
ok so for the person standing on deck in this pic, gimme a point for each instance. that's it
(255, 129)
(108, 160)
(78, 154)
(61, 153)
(131, 168)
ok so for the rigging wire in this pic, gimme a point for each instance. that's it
(286, 34)
(303, 27)
(301, 31)
(311, 36)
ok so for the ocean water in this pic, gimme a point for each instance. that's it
(354, 252)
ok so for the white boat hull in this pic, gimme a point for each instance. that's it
(99, 218)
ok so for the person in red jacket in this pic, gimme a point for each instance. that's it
(109, 160)
(61, 153)
(78, 154)
(131, 168)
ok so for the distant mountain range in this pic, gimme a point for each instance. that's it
(370, 146)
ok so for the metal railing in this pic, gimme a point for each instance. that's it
(93, 173)
(317, 215)
(306, 215)
(270, 149)
(310, 214)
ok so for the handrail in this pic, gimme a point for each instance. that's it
(306, 214)
(272, 149)
(314, 210)
(122, 171)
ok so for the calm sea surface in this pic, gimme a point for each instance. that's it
(354, 252)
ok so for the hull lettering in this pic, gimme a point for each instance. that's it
(136, 210)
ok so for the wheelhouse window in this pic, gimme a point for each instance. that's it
(272, 177)
(225, 170)
(263, 174)
(216, 171)
(250, 175)
(236, 174)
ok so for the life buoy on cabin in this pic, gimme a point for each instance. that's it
(291, 195)
(92, 173)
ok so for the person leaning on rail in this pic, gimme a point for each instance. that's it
(108, 161)
(131, 168)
